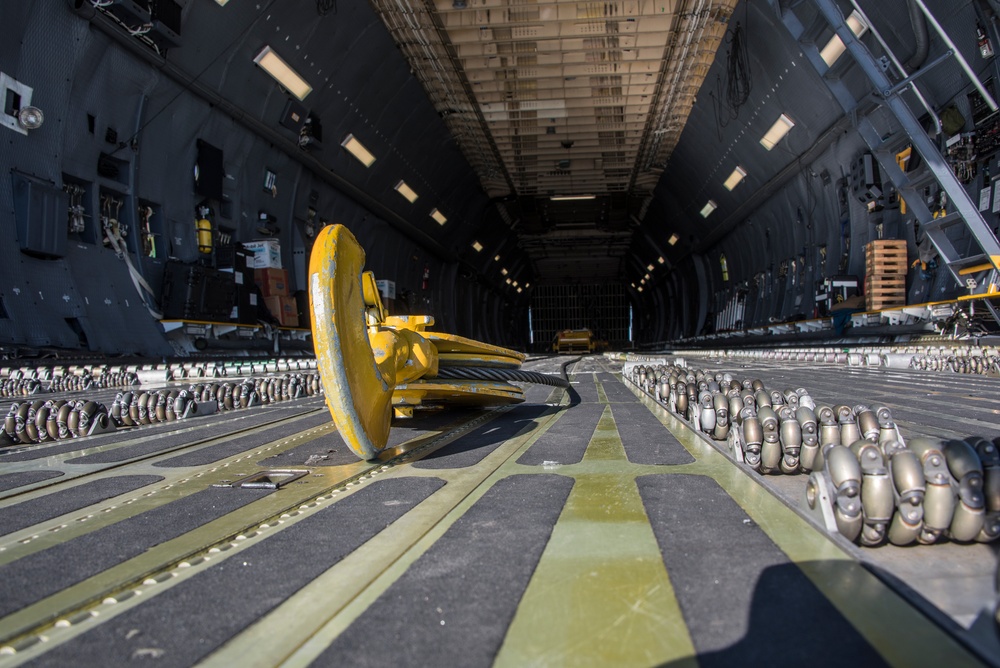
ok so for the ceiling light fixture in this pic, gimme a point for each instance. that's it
(358, 150)
(777, 131)
(706, 210)
(503, 271)
(673, 239)
(660, 259)
(283, 73)
(639, 288)
(527, 285)
(735, 178)
(478, 246)
(519, 291)
(571, 198)
(406, 191)
(508, 281)
(835, 48)
(438, 216)
(496, 258)
(514, 284)
(649, 267)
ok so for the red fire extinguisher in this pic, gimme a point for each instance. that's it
(427, 278)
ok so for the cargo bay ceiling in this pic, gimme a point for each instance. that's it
(567, 111)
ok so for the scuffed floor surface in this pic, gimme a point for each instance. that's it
(583, 527)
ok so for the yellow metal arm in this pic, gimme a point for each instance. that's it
(371, 363)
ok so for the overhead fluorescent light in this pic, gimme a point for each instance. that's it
(734, 179)
(478, 246)
(283, 73)
(438, 216)
(706, 210)
(777, 131)
(673, 239)
(649, 267)
(406, 191)
(660, 259)
(358, 150)
(571, 198)
(835, 48)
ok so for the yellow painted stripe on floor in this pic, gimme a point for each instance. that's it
(600, 594)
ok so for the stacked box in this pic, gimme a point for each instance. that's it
(267, 253)
(284, 309)
(885, 268)
(272, 282)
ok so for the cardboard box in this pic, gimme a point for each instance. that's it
(283, 309)
(272, 282)
(267, 253)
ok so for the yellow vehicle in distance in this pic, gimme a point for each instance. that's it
(576, 341)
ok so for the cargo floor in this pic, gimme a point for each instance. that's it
(583, 527)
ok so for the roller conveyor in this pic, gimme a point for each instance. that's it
(587, 526)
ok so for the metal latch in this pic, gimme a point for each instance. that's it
(270, 479)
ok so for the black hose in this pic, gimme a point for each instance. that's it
(919, 24)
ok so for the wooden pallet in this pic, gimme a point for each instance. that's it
(884, 290)
(886, 256)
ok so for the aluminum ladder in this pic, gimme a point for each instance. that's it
(976, 267)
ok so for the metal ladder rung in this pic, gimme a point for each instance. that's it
(953, 218)
(972, 264)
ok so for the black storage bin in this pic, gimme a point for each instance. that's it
(194, 292)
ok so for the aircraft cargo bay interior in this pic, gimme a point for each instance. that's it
(500, 332)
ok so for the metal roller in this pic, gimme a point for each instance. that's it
(42, 420)
(829, 430)
(762, 398)
(706, 413)
(721, 405)
(770, 452)
(877, 494)
(970, 510)
(989, 455)
(867, 423)
(753, 437)
(680, 398)
(806, 418)
(790, 437)
(844, 471)
(887, 430)
(849, 431)
(52, 421)
(21, 422)
(10, 422)
(73, 419)
(735, 406)
(939, 496)
(692, 401)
